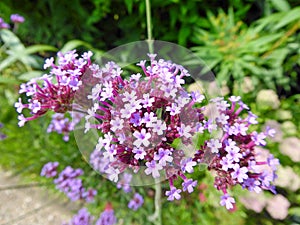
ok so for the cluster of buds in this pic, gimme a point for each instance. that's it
(54, 91)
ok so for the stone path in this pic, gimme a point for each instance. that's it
(22, 204)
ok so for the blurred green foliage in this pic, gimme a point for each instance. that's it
(234, 50)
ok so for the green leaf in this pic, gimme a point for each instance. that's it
(289, 17)
(29, 75)
(39, 48)
(7, 80)
(295, 211)
(281, 5)
(261, 42)
(71, 45)
(129, 4)
(8, 61)
(11, 40)
(176, 143)
(184, 32)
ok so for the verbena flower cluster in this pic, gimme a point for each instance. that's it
(143, 118)
(68, 182)
(235, 158)
(55, 91)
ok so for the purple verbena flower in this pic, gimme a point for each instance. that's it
(107, 217)
(54, 91)
(124, 182)
(83, 217)
(136, 202)
(49, 169)
(174, 193)
(227, 201)
(239, 173)
(188, 185)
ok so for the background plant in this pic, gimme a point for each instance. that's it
(234, 50)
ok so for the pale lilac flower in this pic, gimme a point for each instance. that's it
(126, 112)
(163, 156)
(19, 106)
(129, 97)
(214, 145)
(116, 124)
(188, 185)
(139, 153)
(169, 90)
(153, 168)
(252, 185)
(222, 119)
(174, 193)
(226, 163)
(187, 165)
(227, 201)
(259, 138)
(159, 127)
(136, 119)
(235, 98)
(149, 119)
(147, 101)
(252, 118)
(173, 109)
(197, 97)
(241, 128)
(210, 125)
(239, 173)
(273, 162)
(184, 131)
(142, 138)
(223, 105)
(113, 174)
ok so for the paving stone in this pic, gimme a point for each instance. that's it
(30, 205)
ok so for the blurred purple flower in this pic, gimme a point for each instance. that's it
(3, 25)
(49, 169)
(107, 217)
(63, 125)
(136, 202)
(83, 217)
(16, 18)
(2, 136)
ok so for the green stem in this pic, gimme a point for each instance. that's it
(149, 26)
(156, 217)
